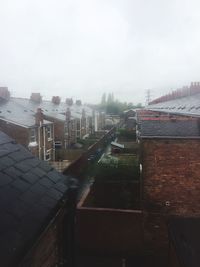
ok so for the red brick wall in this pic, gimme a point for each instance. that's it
(171, 171)
(173, 259)
(20, 134)
(109, 231)
(58, 128)
(48, 251)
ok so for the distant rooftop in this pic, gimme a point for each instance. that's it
(169, 128)
(179, 93)
(189, 105)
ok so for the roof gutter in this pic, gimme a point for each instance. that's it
(170, 137)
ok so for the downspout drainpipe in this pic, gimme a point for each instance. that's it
(70, 224)
(39, 141)
(53, 143)
(44, 151)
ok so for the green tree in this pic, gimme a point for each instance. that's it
(103, 99)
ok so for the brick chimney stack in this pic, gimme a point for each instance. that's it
(78, 102)
(83, 113)
(69, 101)
(56, 100)
(4, 94)
(36, 97)
(39, 117)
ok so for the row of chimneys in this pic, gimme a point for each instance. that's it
(37, 98)
(39, 116)
(179, 93)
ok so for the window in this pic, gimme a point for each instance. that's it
(58, 144)
(78, 125)
(48, 130)
(33, 135)
(48, 155)
(66, 129)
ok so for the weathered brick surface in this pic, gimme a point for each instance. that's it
(173, 259)
(48, 251)
(20, 134)
(109, 231)
(171, 176)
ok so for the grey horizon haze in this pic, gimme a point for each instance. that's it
(83, 48)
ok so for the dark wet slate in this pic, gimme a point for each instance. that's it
(45, 166)
(19, 209)
(45, 181)
(5, 179)
(61, 187)
(54, 176)
(4, 139)
(54, 193)
(12, 172)
(20, 185)
(48, 201)
(30, 177)
(10, 148)
(39, 172)
(38, 189)
(22, 166)
(9, 193)
(6, 162)
(170, 128)
(20, 155)
(29, 197)
(30, 191)
(33, 162)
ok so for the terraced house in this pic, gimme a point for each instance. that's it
(27, 126)
(36, 205)
(43, 126)
(71, 121)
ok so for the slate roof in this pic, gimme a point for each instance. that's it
(13, 112)
(30, 191)
(169, 128)
(189, 105)
(54, 110)
(185, 235)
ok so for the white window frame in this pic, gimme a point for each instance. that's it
(32, 135)
(49, 132)
(48, 153)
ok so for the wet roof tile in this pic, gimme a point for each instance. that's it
(29, 192)
(53, 175)
(169, 128)
(5, 179)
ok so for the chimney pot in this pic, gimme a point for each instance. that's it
(69, 101)
(4, 94)
(78, 102)
(36, 97)
(56, 100)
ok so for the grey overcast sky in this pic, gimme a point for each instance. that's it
(82, 48)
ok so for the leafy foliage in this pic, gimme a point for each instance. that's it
(113, 106)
